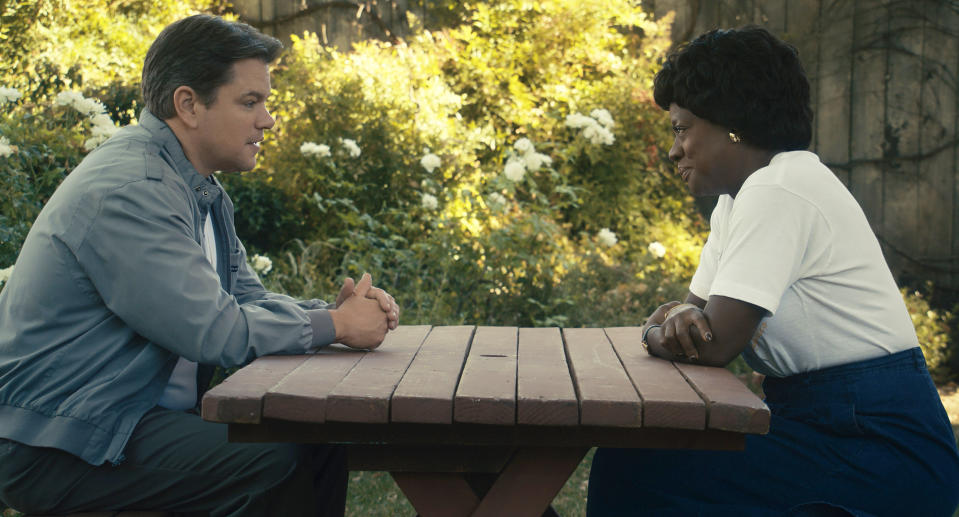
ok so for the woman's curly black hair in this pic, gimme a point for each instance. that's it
(744, 79)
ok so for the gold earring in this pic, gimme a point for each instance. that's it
(734, 137)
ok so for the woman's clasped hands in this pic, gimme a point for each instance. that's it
(681, 329)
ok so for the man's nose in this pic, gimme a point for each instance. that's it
(267, 121)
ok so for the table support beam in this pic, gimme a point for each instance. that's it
(525, 487)
(437, 494)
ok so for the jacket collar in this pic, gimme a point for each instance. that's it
(206, 190)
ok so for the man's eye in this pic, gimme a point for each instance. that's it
(678, 129)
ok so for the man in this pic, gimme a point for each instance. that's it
(132, 285)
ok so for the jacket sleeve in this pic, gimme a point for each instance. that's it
(139, 251)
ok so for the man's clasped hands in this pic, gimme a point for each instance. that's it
(363, 314)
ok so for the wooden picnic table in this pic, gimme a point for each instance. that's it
(439, 406)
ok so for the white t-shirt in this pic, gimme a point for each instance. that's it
(795, 242)
(180, 392)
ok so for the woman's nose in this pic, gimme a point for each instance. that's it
(676, 151)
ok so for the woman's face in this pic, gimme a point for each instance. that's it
(706, 158)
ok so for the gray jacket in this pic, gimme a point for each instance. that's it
(112, 286)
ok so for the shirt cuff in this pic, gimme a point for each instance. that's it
(321, 321)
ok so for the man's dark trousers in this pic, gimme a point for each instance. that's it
(177, 462)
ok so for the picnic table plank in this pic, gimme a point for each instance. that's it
(606, 395)
(364, 394)
(730, 404)
(668, 400)
(425, 394)
(487, 388)
(239, 399)
(544, 393)
(302, 395)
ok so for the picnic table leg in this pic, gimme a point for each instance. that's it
(525, 486)
(445, 494)
(530, 481)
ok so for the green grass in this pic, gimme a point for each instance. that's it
(373, 494)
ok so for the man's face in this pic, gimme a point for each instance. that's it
(231, 127)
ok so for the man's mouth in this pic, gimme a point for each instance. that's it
(685, 172)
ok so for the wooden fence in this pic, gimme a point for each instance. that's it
(884, 92)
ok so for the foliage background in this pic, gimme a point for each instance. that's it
(492, 251)
(516, 70)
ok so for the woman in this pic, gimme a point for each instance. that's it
(792, 278)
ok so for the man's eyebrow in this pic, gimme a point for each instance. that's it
(256, 95)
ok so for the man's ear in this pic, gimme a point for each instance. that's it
(186, 102)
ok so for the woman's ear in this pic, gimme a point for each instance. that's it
(186, 102)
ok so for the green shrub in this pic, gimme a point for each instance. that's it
(92, 47)
(561, 88)
(933, 327)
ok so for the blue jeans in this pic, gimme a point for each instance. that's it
(866, 438)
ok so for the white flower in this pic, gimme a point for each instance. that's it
(429, 202)
(536, 160)
(68, 98)
(314, 149)
(595, 128)
(351, 146)
(607, 237)
(76, 100)
(608, 137)
(602, 116)
(5, 148)
(430, 162)
(261, 264)
(515, 170)
(597, 134)
(103, 126)
(89, 107)
(495, 200)
(5, 274)
(8, 94)
(657, 249)
(93, 142)
(103, 129)
(102, 120)
(523, 145)
(578, 120)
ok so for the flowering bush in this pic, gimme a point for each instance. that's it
(68, 74)
(39, 144)
(474, 201)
